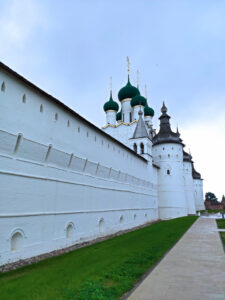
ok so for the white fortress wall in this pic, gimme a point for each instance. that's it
(198, 193)
(62, 180)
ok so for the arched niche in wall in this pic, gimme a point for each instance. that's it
(121, 219)
(101, 225)
(69, 230)
(16, 240)
(135, 147)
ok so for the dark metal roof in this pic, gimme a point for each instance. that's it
(187, 157)
(195, 174)
(140, 130)
(165, 134)
(68, 109)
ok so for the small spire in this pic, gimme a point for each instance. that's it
(178, 133)
(128, 66)
(137, 79)
(164, 108)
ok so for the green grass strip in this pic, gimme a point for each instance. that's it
(104, 270)
(221, 225)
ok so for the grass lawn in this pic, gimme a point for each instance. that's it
(221, 224)
(210, 211)
(104, 270)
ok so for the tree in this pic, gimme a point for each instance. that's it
(211, 197)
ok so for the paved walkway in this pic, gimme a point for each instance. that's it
(193, 270)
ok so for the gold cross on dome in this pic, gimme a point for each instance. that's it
(137, 78)
(146, 92)
(128, 65)
(110, 83)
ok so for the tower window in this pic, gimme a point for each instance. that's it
(135, 147)
(130, 117)
(68, 123)
(142, 148)
(41, 108)
(168, 172)
(56, 116)
(123, 118)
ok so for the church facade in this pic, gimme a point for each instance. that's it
(64, 181)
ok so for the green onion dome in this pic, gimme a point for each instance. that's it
(138, 100)
(119, 116)
(111, 104)
(128, 91)
(148, 111)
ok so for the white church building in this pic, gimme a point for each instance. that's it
(64, 181)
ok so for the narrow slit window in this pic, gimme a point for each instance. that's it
(3, 87)
(24, 98)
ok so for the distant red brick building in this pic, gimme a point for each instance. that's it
(215, 204)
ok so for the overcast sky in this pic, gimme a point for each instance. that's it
(71, 48)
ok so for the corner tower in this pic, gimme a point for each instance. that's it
(168, 155)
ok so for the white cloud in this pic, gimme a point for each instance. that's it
(18, 20)
(207, 143)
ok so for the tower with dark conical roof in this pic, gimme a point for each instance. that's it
(168, 155)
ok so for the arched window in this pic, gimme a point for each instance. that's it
(168, 172)
(101, 225)
(3, 87)
(142, 148)
(130, 117)
(24, 98)
(135, 147)
(16, 241)
(121, 219)
(41, 108)
(56, 116)
(135, 216)
(68, 123)
(69, 231)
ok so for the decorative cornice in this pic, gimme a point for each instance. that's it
(124, 100)
(139, 105)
